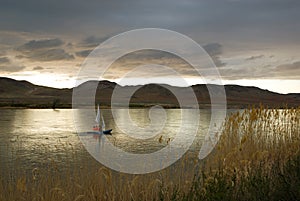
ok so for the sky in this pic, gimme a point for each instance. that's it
(252, 42)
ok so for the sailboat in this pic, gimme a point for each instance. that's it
(99, 119)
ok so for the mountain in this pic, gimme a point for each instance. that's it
(25, 94)
(15, 93)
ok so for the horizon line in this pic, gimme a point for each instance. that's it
(132, 85)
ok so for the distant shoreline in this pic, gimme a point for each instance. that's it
(22, 94)
(141, 106)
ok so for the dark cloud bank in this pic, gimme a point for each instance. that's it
(44, 50)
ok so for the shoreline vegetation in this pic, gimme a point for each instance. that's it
(256, 158)
(143, 105)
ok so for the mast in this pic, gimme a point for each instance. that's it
(103, 123)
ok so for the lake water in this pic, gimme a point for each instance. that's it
(31, 138)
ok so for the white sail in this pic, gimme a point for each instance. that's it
(98, 116)
(103, 123)
(99, 119)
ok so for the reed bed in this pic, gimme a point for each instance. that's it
(256, 158)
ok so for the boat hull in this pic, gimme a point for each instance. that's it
(106, 132)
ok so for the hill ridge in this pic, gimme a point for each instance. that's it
(15, 93)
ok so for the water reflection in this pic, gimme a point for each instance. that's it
(36, 136)
(30, 137)
(182, 127)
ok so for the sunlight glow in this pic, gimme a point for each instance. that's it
(65, 81)
(49, 80)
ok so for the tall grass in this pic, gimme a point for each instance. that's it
(257, 158)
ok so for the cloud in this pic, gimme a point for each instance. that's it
(50, 55)
(255, 20)
(147, 59)
(19, 56)
(214, 50)
(2, 52)
(40, 44)
(93, 41)
(7, 66)
(38, 68)
(254, 57)
(83, 53)
(270, 71)
(292, 69)
(11, 68)
(144, 57)
(242, 72)
(4, 60)
(44, 50)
